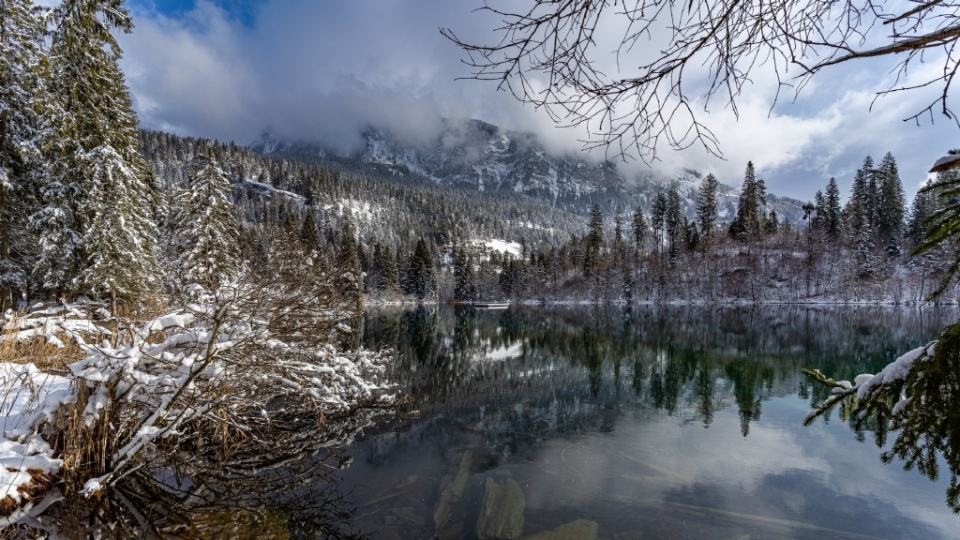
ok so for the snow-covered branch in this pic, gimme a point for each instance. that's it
(915, 396)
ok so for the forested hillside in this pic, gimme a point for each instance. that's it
(438, 240)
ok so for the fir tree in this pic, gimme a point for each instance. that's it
(673, 222)
(639, 228)
(94, 149)
(207, 225)
(753, 197)
(309, 237)
(657, 214)
(349, 260)
(858, 214)
(890, 206)
(22, 108)
(594, 246)
(832, 215)
(707, 206)
(925, 204)
(120, 236)
(465, 283)
(420, 280)
(772, 223)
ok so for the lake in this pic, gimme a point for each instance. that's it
(651, 422)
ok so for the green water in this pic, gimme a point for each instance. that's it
(648, 423)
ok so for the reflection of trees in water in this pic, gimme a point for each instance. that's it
(919, 404)
(287, 491)
(686, 361)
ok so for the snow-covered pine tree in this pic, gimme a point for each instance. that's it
(832, 214)
(707, 207)
(420, 278)
(858, 213)
(206, 224)
(639, 229)
(753, 196)
(22, 108)
(309, 235)
(891, 206)
(94, 149)
(591, 260)
(121, 235)
(657, 214)
(673, 219)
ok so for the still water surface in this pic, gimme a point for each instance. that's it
(670, 422)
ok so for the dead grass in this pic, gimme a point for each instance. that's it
(37, 351)
(39, 486)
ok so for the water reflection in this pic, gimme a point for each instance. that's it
(599, 415)
(670, 422)
(685, 361)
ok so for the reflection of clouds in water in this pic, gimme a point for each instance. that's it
(858, 471)
(811, 476)
(722, 454)
(651, 458)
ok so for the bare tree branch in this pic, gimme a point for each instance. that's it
(675, 56)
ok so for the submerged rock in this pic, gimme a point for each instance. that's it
(453, 493)
(580, 529)
(501, 514)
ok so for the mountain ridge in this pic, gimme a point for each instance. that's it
(474, 156)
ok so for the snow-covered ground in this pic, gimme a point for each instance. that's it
(30, 397)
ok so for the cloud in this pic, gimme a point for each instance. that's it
(326, 71)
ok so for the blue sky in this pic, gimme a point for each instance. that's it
(244, 11)
(325, 70)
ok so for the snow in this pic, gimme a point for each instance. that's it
(270, 190)
(512, 248)
(894, 371)
(946, 163)
(30, 398)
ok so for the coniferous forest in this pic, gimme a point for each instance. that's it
(93, 207)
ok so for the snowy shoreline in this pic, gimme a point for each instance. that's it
(219, 361)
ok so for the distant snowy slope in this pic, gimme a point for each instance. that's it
(475, 156)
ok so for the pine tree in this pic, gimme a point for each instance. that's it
(120, 236)
(420, 279)
(858, 214)
(772, 223)
(707, 206)
(94, 149)
(673, 221)
(465, 283)
(207, 225)
(890, 206)
(639, 228)
(309, 237)
(594, 246)
(22, 108)
(925, 204)
(657, 214)
(832, 215)
(753, 196)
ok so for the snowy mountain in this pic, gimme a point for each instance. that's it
(474, 156)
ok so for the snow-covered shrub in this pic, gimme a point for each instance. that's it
(240, 363)
(236, 380)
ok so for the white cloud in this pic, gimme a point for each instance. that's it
(326, 71)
